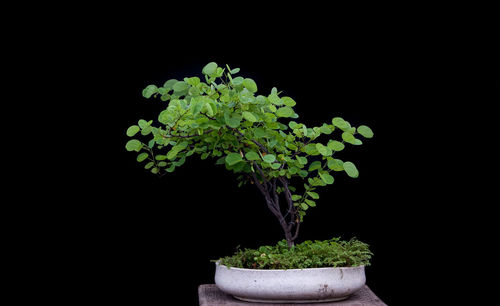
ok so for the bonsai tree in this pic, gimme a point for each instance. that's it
(255, 136)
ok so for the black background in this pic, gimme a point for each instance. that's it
(136, 238)
(155, 230)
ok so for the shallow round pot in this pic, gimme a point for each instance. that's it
(290, 286)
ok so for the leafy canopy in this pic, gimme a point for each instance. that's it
(221, 116)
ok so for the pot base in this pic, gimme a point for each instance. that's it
(291, 301)
(312, 285)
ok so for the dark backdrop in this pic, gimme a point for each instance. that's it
(143, 239)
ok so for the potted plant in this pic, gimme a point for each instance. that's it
(258, 138)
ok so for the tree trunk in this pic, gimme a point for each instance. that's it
(289, 238)
(269, 191)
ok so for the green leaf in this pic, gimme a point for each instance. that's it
(233, 120)
(149, 165)
(336, 165)
(296, 197)
(302, 160)
(286, 111)
(193, 81)
(165, 97)
(326, 129)
(323, 150)
(274, 99)
(259, 132)
(348, 137)
(275, 166)
(143, 123)
(237, 81)
(313, 195)
(288, 101)
(250, 85)
(293, 170)
(196, 105)
(336, 145)
(315, 165)
(365, 131)
(357, 142)
(180, 162)
(304, 206)
(340, 123)
(133, 145)
(351, 169)
(325, 177)
(147, 130)
(176, 149)
(210, 68)
(310, 202)
(161, 157)
(181, 146)
(155, 170)
(180, 86)
(249, 116)
(149, 91)
(252, 155)
(172, 154)
(303, 173)
(269, 158)
(131, 131)
(207, 108)
(169, 84)
(233, 158)
(291, 146)
(141, 157)
(311, 149)
(235, 70)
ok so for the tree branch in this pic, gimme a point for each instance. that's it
(291, 210)
(261, 174)
(276, 197)
(267, 196)
(186, 136)
(211, 118)
(252, 140)
(296, 231)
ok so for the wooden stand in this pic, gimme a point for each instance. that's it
(210, 295)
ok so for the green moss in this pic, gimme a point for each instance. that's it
(309, 254)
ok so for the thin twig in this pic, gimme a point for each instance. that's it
(186, 136)
(252, 140)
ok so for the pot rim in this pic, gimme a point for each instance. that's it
(217, 263)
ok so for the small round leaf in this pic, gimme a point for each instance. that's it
(351, 169)
(133, 145)
(250, 85)
(269, 158)
(141, 157)
(180, 86)
(210, 68)
(365, 131)
(233, 158)
(131, 131)
(149, 91)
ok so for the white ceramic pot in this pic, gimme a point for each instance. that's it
(290, 286)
